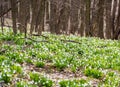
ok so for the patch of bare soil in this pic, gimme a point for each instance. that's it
(56, 75)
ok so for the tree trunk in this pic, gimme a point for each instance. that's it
(117, 21)
(14, 17)
(87, 17)
(40, 17)
(74, 16)
(107, 19)
(100, 18)
(24, 15)
(53, 17)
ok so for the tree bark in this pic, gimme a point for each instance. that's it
(117, 21)
(107, 19)
(24, 14)
(100, 18)
(14, 17)
(53, 17)
(87, 17)
(74, 16)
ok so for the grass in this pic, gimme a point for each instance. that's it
(93, 73)
(95, 58)
(74, 83)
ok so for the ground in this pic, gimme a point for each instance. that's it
(58, 61)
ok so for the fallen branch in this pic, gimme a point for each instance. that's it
(32, 40)
(71, 41)
(37, 41)
(40, 35)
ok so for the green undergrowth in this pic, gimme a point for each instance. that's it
(74, 83)
(93, 57)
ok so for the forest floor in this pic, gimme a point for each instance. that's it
(58, 61)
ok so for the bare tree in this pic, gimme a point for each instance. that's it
(84, 17)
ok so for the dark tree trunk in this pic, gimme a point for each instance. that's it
(24, 14)
(87, 17)
(74, 16)
(14, 17)
(100, 18)
(53, 17)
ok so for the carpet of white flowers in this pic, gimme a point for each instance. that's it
(58, 61)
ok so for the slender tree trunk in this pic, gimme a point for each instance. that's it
(24, 14)
(107, 19)
(112, 17)
(117, 21)
(100, 18)
(81, 17)
(34, 12)
(87, 16)
(63, 17)
(40, 17)
(92, 3)
(74, 16)
(53, 17)
(14, 17)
